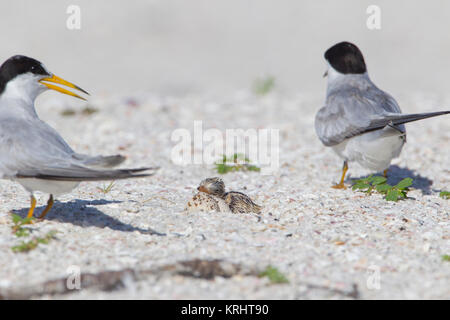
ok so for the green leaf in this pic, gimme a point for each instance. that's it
(444, 194)
(33, 243)
(393, 195)
(27, 220)
(274, 275)
(16, 218)
(253, 168)
(221, 168)
(361, 186)
(405, 183)
(22, 232)
(378, 180)
(363, 181)
(383, 188)
(236, 162)
(446, 257)
(264, 85)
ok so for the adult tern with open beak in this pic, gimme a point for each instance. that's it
(31, 152)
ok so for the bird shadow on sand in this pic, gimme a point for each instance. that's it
(396, 174)
(83, 213)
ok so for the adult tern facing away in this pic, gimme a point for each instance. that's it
(359, 121)
(34, 154)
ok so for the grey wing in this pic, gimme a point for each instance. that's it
(350, 113)
(34, 149)
(30, 144)
(99, 161)
(53, 137)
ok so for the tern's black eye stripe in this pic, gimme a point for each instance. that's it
(38, 69)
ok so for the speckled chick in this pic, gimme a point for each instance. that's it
(237, 202)
(209, 198)
(202, 202)
(241, 203)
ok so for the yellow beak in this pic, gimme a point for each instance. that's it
(58, 80)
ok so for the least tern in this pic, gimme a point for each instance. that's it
(237, 202)
(31, 152)
(359, 121)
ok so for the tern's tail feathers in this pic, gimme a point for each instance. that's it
(77, 173)
(402, 118)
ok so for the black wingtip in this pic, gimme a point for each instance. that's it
(141, 169)
(418, 116)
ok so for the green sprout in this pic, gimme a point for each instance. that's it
(237, 162)
(68, 113)
(379, 184)
(86, 111)
(18, 225)
(26, 246)
(106, 189)
(21, 232)
(446, 257)
(263, 86)
(444, 195)
(274, 275)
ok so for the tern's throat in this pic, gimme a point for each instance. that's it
(340, 81)
(18, 95)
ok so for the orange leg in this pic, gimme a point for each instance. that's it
(48, 207)
(33, 205)
(385, 173)
(341, 185)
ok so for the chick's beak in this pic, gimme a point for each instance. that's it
(325, 74)
(58, 80)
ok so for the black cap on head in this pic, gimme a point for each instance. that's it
(18, 65)
(346, 58)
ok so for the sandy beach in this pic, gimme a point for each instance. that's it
(153, 68)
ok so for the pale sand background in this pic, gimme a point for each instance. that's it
(201, 45)
(156, 66)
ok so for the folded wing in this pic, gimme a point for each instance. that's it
(351, 112)
(32, 149)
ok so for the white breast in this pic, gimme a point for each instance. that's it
(373, 150)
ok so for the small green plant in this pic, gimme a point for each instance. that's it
(446, 257)
(274, 275)
(106, 189)
(21, 231)
(18, 225)
(379, 184)
(263, 86)
(26, 246)
(237, 162)
(68, 112)
(444, 194)
(86, 111)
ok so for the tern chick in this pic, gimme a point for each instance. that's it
(235, 202)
